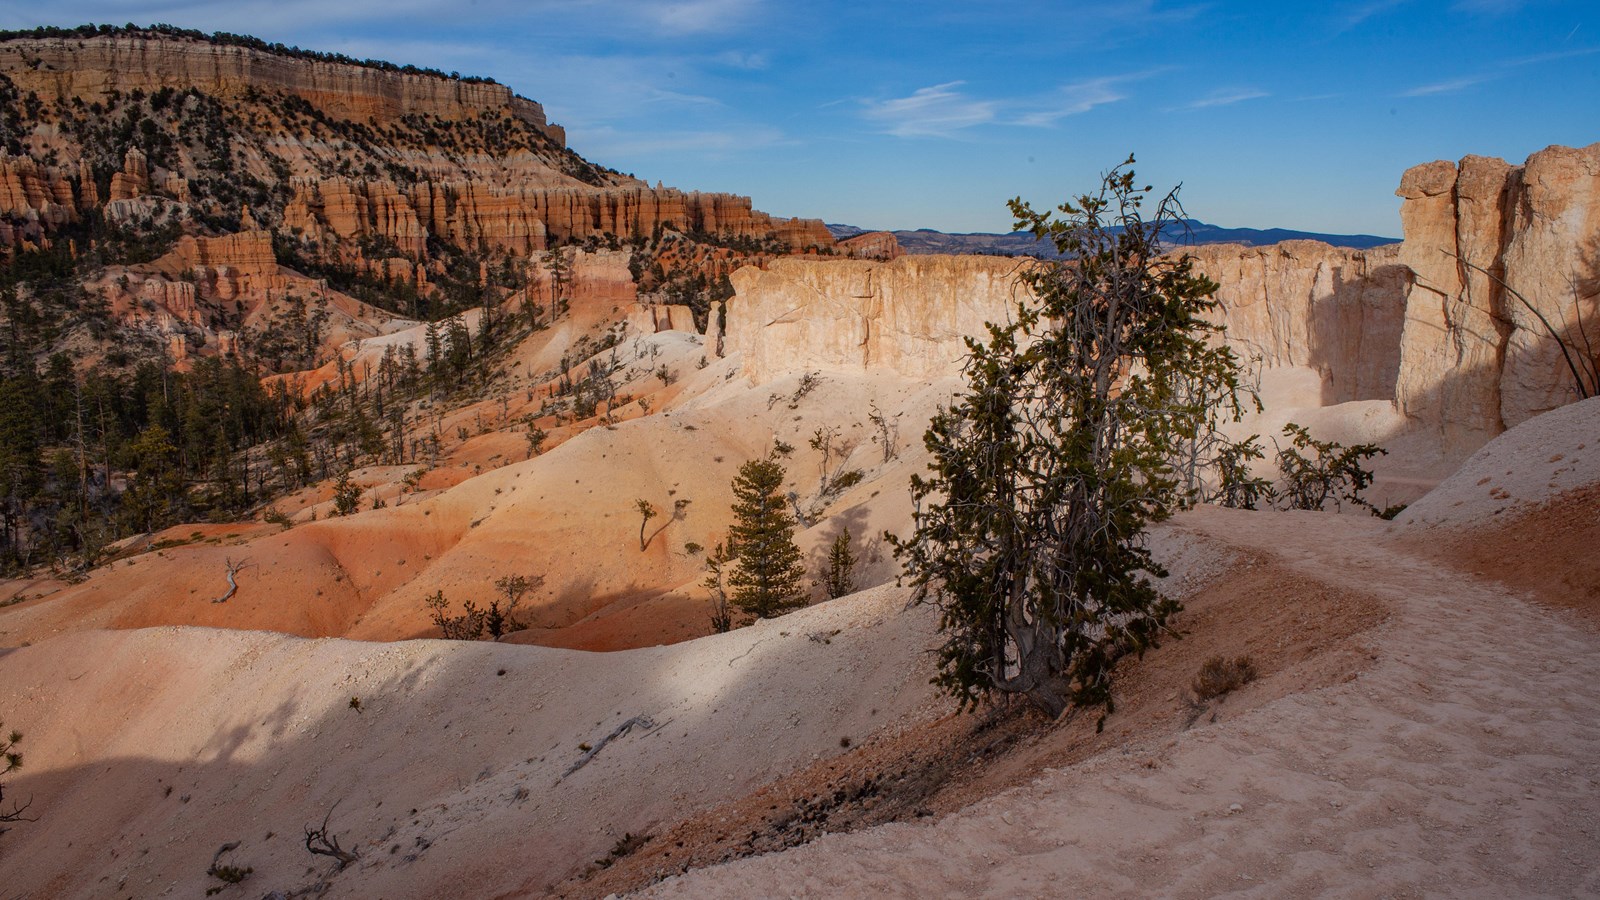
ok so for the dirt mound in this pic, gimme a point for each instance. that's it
(1233, 605)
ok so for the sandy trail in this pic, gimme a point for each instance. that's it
(1465, 761)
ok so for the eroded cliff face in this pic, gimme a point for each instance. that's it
(1411, 323)
(1474, 356)
(520, 220)
(91, 68)
(321, 151)
(1304, 304)
(909, 315)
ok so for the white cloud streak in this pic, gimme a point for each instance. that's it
(1074, 99)
(937, 111)
(1445, 87)
(1227, 98)
(945, 110)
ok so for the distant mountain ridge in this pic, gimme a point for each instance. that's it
(1190, 232)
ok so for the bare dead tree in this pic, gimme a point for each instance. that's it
(644, 722)
(233, 578)
(888, 432)
(11, 760)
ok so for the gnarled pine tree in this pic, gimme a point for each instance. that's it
(1045, 473)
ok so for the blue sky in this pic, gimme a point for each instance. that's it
(932, 114)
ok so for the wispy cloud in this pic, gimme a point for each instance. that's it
(938, 111)
(1542, 58)
(738, 59)
(659, 96)
(945, 110)
(1489, 7)
(1226, 97)
(1445, 87)
(1075, 99)
(693, 16)
(1361, 12)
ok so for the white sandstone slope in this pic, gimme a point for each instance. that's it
(1547, 455)
(147, 750)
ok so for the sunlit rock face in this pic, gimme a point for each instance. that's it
(93, 67)
(369, 156)
(1496, 248)
(1430, 324)
(910, 315)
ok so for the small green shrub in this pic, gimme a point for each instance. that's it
(1315, 472)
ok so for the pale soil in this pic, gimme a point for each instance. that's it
(146, 750)
(1550, 551)
(1465, 760)
(1233, 605)
(1550, 454)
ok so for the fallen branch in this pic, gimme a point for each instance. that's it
(644, 722)
(319, 842)
(233, 580)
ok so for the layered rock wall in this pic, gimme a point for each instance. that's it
(523, 220)
(91, 68)
(470, 184)
(1303, 304)
(909, 315)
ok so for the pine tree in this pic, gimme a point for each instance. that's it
(768, 579)
(840, 578)
(1046, 472)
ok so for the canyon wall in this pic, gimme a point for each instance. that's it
(90, 68)
(386, 155)
(1479, 235)
(1419, 323)
(909, 315)
(1303, 304)
(522, 220)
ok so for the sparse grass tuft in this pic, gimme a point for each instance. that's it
(1220, 675)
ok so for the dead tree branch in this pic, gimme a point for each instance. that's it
(644, 722)
(319, 842)
(1584, 387)
(233, 578)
